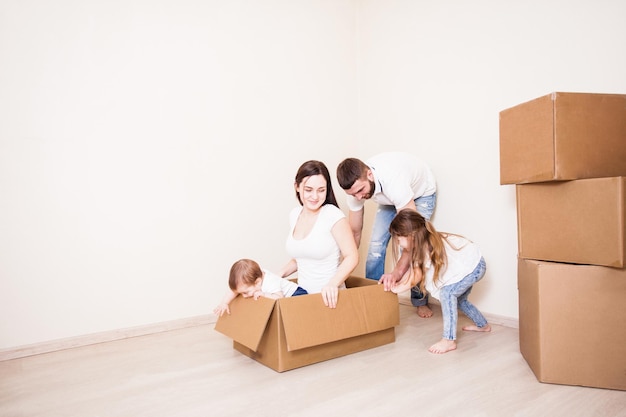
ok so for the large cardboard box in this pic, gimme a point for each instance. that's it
(572, 323)
(293, 332)
(579, 221)
(563, 136)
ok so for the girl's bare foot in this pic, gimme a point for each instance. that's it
(424, 311)
(443, 346)
(474, 328)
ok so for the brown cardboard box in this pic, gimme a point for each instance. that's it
(580, 221)
(572, 323)
(292, 332)
(563, 136)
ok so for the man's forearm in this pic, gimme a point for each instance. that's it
(402, 266)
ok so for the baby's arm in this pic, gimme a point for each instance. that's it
(275, 295)
(223, 305)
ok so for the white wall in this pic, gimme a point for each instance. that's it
(146, 145)
(433, 77)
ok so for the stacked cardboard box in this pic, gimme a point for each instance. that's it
(566, 155)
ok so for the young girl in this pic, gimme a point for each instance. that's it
(249, 280)
(447, 265)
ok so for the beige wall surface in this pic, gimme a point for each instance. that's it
(433, 77)
(146, 145)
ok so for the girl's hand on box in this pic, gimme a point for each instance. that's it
(402, 286)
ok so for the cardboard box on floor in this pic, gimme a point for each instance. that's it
(571, 323)
(293, 332)
(579, 221)
(563, 136)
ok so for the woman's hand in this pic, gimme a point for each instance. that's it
(330, 293)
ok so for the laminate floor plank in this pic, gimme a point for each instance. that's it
(195, 372)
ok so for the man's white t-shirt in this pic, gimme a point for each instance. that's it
(399, 177)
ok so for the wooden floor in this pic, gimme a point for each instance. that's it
(196, 372)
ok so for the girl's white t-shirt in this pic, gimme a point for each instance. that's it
(463, 257)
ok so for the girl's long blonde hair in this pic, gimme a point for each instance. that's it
(425, 242)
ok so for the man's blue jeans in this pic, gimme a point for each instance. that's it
(375, 263)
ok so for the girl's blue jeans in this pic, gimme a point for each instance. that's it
(375, 263)
(454, 296)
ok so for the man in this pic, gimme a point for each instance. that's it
(395, 181)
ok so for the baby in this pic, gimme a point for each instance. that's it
(248, 279)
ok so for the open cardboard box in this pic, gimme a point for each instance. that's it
(572, 323)
(563, 136)
(293, 332)
(579, 221)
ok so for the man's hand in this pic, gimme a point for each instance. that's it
(389, 281)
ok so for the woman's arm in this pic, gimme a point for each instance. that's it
(350, 258)
(289, 268)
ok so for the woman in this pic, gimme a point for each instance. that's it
(320, 241)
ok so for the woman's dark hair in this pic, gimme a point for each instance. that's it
(310, 168)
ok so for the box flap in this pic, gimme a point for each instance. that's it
(360, 310)
(247, 320)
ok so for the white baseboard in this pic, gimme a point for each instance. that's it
(102, 337)
(112, 335)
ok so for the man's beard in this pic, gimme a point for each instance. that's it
(372, 189)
